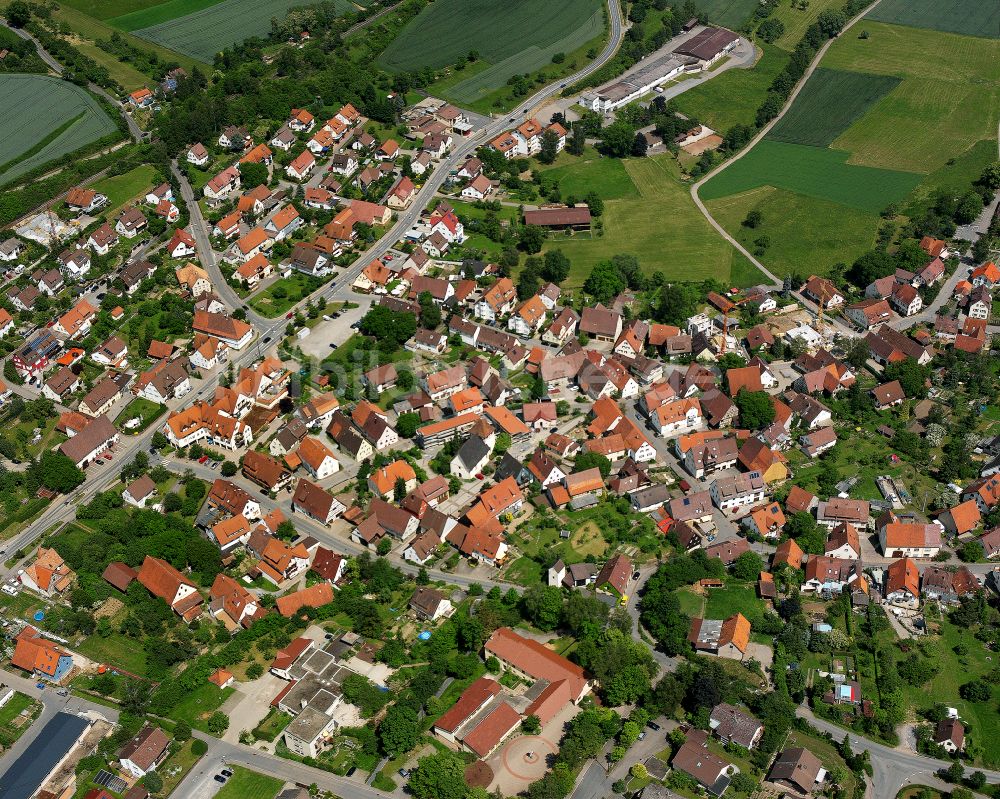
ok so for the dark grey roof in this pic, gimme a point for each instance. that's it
(53, 742)
(473, 452)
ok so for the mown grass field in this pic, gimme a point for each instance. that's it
(730, 13)
(806, 234)
(45, 118)
(107, 9)
(829, 104)
(969, 17)
(796, 19)
(209, 30)
(661, 227)
(948, 100)
(246, 784)
(591, 172)
(733, 97)
(127, 76)
(119, 189)
(814, 172)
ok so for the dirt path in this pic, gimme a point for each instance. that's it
(758, 138)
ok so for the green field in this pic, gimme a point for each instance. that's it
(512, 38)
(246, 784)
(814, 172)
(131, 19)
(592, 172)
(107, 9)
(119, 189)
(829, 104)
(730, 13)
(724, 602)
(806, 234)
(661, 227)
(209, 30)
(948, 100)
(796, 19)
(46, 118)
(733, 97)
(969, 17)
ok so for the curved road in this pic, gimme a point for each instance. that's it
(756, 140)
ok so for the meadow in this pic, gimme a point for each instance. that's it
(46, 118)
(948, 100)
(147, 15)
(591, 172)
(968, 17)
(805, 234)
(209, 30)
(733, 97)
(814, 172)
(661, 227)
(108, 9)
(120, 189)
(796, 19)
(729, 13)
(829, 104)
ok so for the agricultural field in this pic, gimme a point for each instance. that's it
(108, 9)
(729, 13)
(514, 38)
(733, 97)
(937, 112)
(47, 118)
(815, 172)
(968, 17)
(829, 104)
(661, 226)
(154, 14)
(209, 30)
(805, 234)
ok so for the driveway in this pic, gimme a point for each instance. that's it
(250, 704)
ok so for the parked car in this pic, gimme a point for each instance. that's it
(220, 778)
(203, 458)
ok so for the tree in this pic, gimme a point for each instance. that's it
(228, 468)
(531, 725)
(384, 546)
(753, 219)
(430, 311)
(594, 203)
(199, 747)
(550, 146)
(590, 460)
(218, 723)
(57, 472)
(756, 409)
(159, 440)
(439, 776)
(407, 424)
(531, 239)
(182, 731)
(527, 283)
(555, 267)
(604, 282)
(10, 373)
(770, 30)
(399, 730)
(391, 328)
(911, 375)
(252, 175)
(542, 605)
(975, 691)
(747, 566)
(803, 528)
(640, 145)
(255, 671)
(617, 139)
(153, 782)
(18, 13)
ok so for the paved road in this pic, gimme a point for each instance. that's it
(944, 294)
(892, 768)
(756, 139)
(55, 66)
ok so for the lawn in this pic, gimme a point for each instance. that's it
(117, 651)
(947, 100)
(12, 724)
(281, 295)
(729, 13)
(801, 230)
(828, 755)
(148, 412)
(592, 172)
(588, 540)
(953, 671)
(815, 172)
(246, 784)
(829, 103)
(127, 186)
(525, 571)
(692, 603)
(198, 705)
(46, 119)
(127, 76)
(969, 17)
(721, 603)
(177, 766)
(662, 228)
(209, 30)
(733, 97)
